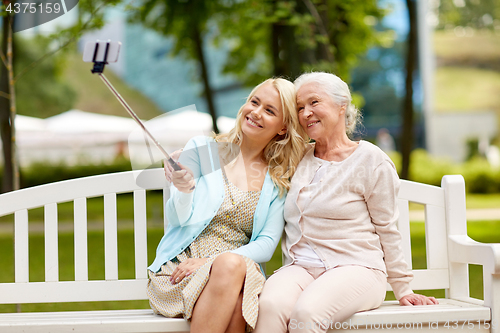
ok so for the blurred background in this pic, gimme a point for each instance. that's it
(425, 75)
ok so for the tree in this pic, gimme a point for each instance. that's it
(288, 37)
(407, 136)
(90, 17)
(8, 105)
(187, 21)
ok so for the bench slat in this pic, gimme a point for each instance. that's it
(80, 236)
(72, 291)
(435, 237)
(421, 193)
(140, 234)
(51, 243)
(125, 321)
(88, 187)
(427, 279)
(21, 249)
(389, 314)
(110, 237)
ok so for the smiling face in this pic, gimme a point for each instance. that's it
(262, 115)
(319, 115)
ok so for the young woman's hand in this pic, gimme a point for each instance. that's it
(168, 168)
(183, 180)
(186, 268)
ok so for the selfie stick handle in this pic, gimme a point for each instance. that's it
(99, 68)
(134, 116)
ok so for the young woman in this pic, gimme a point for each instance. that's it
(206, 264)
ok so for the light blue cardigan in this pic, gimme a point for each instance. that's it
(186, 222)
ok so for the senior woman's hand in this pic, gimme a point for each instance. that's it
(417, 299)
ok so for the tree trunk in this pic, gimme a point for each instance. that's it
(5, 116)
(285, 52)
(198, 41)
(407, 136)
(12, 104)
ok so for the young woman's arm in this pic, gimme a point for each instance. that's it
(179, 207)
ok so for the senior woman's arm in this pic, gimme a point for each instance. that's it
(383, 208)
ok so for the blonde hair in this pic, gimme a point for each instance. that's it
(284, 152)
(338, 91)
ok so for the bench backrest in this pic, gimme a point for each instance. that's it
(112, 288)
(436, 274)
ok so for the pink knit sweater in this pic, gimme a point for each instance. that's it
(351, 216)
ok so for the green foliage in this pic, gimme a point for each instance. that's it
(429, 170)
(477, 14)
(90, 17)
(328, 35)
(180, 19)
(479, 176)
(43, 92)
(247, 30)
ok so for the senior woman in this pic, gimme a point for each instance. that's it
(341, 245)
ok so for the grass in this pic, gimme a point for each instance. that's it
(479, 201)
(467, 76)
(481, 47)
(466, 89)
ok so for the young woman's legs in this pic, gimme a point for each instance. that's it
(335, 296)
(278, 298)
(237, 323)
(216, 305)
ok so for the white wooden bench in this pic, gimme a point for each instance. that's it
(449, 251)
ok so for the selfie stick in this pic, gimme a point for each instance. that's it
(99, 68)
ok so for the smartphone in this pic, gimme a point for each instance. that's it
(100, 46)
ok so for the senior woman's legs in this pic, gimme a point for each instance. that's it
(335, 296)
(278, 298)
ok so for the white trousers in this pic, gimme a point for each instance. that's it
(311, 299)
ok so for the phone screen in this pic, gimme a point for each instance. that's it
(113, 51)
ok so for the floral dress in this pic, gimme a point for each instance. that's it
(230, 229)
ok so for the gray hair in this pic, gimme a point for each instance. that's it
(338, 90)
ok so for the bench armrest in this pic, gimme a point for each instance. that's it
(464, 249)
